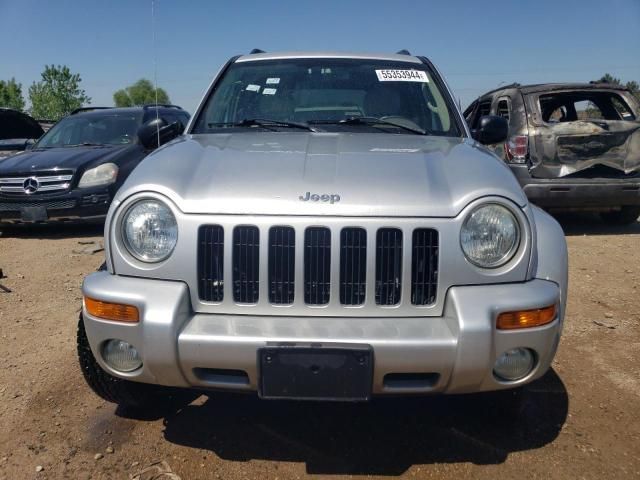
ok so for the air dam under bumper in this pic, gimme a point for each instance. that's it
(186, 349)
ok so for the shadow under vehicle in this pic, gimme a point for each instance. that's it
(384, 437)
(571, 146)
(74, 170)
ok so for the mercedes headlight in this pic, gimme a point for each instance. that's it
(104, 174)
(149, 231)
(490, 236)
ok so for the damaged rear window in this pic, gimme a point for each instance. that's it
(560, 107)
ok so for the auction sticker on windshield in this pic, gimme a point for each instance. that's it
(402, 76)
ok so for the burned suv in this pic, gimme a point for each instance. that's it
(327, 228)
(571, 146)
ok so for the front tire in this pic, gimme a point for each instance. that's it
(625, 216)
(116, 390)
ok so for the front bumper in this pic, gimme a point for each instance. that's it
(72, 205)
(574, 192)
(186, 349)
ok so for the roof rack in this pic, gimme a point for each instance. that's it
(404, 51)
(88, 109)
(502, 87)
(256, 50)
(165, 105)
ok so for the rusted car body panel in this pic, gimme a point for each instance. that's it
(565, 148)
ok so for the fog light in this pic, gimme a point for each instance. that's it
(121, 356)
(514, 364)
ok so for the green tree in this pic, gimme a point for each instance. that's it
(11, 94)
(635, 88)
(57, 94)
(608, 78)
(631, 85)
(138, 94)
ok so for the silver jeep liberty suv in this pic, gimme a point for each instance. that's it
(327, 228)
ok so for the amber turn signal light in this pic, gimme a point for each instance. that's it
(116, 312)
(526, 318)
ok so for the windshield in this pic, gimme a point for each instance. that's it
(98, 129)
(329, 94)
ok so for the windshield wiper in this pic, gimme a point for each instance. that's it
(374, 121)
(85, 144)
(264, 122)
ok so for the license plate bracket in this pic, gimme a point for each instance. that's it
(34, 214)
(316, 373)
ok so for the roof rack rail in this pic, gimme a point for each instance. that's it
(88, 109)
(404, 51)
(256, 50)
(165, 105)
(502, 87)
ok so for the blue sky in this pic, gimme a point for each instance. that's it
(477, 44)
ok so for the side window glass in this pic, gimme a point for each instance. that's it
(503, 110)
(483, 109)
(623, 109)
(587, 109)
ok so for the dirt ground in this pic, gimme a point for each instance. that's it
(580, 421)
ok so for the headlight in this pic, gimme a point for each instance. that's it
(490, 236)
(104, 174)
(149, 231)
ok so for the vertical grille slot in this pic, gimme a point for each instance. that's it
(246, 258)
(353, 266)
(424, 266)
(282, 250)
(210, 263)
(317, 265)
(388, 266)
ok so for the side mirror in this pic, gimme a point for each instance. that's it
(492, 130)
(155, 129)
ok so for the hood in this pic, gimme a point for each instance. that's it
(15, 124)
(339, 174)
(72, 158)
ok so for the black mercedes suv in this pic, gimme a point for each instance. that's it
(73, 171)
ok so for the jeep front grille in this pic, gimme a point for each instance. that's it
(246, 264)
(317, 265)
(424, 266)
(211, 263)
(299, 260)
(353, 266)
(46, 182)
(282, 265)
(388, 266)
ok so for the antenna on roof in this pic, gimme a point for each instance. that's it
(404, 51)
(155, 67)
(256, 50)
